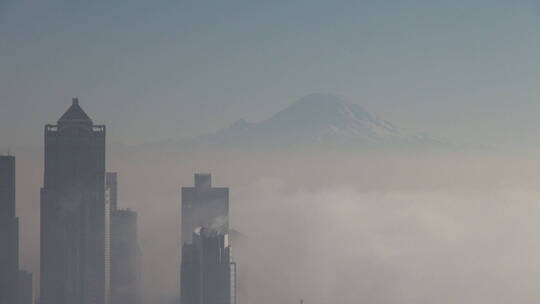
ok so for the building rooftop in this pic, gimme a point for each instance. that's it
(75, 113)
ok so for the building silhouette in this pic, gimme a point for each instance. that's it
(204, 206)
(25, 288)
(73, 211)
(206, 268)
(124, 249)
(9, 232)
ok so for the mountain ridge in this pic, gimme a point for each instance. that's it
(319, 119)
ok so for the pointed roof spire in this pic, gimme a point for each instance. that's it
(75, 113)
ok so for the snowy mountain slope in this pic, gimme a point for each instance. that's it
(319, 119)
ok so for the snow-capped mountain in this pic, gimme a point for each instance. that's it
(319, 119)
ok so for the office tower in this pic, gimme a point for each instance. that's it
(124, 249)
(205, 275)
(25, 289)
(124, 257)
(206, 268)
(73, 211)
(204, 206)
(9, 232)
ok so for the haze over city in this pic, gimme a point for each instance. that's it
(372, 152)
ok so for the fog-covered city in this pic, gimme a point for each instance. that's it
(283, 152)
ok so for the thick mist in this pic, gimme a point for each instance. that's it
(336, 226)
(339, 245)
(343, 226)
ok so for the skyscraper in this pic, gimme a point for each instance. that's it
(9, 232)
(205, 275)
(73, 211)
(25, 289)
(124, 257)
(204, 206)
(206, 269)
(124, 249)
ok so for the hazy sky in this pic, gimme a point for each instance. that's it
(467, 70)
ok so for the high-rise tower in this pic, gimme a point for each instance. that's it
(207, 273)
(25, 289)
(124, 257)
(206, 269)
(204, 206)
(124, 249)
(9, 232)
(73, 211)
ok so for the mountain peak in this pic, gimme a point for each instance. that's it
(322, 99)
(323, 111)
(318, 118)
(322, 102)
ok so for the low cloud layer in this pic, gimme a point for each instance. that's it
(345, 227)
(339, 245)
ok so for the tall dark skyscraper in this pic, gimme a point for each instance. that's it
(124, 258)
(73, 211)
(26, 293)
(205, 275)
(204, 206)
(9, 232)
(124, 249)
(206, 269)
